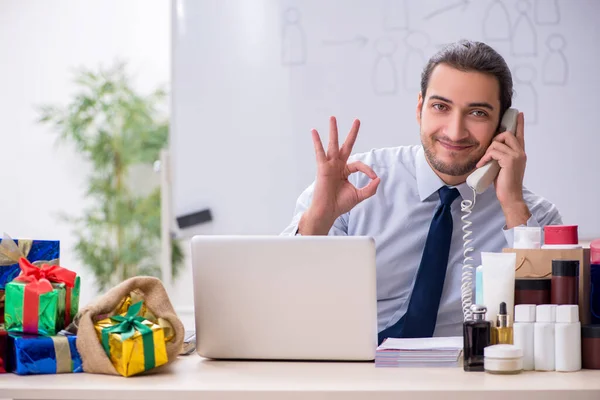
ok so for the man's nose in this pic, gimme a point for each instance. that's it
(455, 128)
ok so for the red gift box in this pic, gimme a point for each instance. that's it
(3, 350)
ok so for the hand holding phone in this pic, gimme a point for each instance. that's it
(483, 177)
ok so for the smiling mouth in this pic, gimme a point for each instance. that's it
(453, 147)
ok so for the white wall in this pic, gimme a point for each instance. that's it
(281, 67)
(40, 41)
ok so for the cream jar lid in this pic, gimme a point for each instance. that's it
(503, 351)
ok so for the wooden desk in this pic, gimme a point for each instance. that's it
(192, 377)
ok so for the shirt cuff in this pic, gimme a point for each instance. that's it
(292, 229)
(509, 234)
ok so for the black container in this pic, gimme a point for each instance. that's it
(532, 291)
(565, 282)
(476, 337)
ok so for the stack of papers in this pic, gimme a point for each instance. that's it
(423, 352)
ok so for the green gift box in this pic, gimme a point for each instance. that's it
(41, 300)
(1, 308)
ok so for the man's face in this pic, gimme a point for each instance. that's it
(458, 119)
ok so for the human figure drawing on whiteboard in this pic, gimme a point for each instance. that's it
(404, 197)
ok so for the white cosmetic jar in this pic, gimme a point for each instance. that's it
(504, 359)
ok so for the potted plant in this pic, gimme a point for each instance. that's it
(116, 129)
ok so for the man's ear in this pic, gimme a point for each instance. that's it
(419, 108)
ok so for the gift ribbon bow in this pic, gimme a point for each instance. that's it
(11, 252)
(37, 282)
(127, 326)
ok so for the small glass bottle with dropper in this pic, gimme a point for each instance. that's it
(502, 333)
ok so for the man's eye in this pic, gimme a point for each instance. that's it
(479, 113)
(439, 107)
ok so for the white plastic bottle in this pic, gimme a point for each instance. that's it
(523, 333)
(544, 337)
(568, 338)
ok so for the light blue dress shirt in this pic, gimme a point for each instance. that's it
(398, 218)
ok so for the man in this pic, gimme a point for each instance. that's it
(412, 211)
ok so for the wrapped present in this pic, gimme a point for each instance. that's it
(133, 298)
(151, 290)
(36, 251)
(3, 350)
(136, 297)
(32, 354)
(132, 343)
(1, 307)
(36, 300)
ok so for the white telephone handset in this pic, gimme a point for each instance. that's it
(483, 177)
(479, 181)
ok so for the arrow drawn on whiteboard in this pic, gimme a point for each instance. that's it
(360, 40)
(450, 7)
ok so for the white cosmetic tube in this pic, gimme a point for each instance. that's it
(498, 283)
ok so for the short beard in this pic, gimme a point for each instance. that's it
(454, 169)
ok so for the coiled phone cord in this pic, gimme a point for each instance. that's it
(466, 289)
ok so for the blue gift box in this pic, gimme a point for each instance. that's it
(41, 250)
(31, 354)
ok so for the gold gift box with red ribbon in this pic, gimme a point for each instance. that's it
(41, 300)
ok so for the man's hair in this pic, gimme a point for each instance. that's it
(467, 55)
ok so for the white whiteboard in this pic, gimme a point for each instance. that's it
(251, 78)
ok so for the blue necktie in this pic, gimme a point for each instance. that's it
(421, 315)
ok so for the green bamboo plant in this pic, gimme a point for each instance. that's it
(114, 127)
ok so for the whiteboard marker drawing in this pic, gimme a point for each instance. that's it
(496, 22)
(385, 74)
(293, 45)
(556, 67)
(524, 37)
(462, 4)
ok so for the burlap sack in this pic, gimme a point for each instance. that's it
(155, 298)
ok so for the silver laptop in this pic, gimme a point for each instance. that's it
(285, 298)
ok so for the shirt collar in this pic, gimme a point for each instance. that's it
(429, 183)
